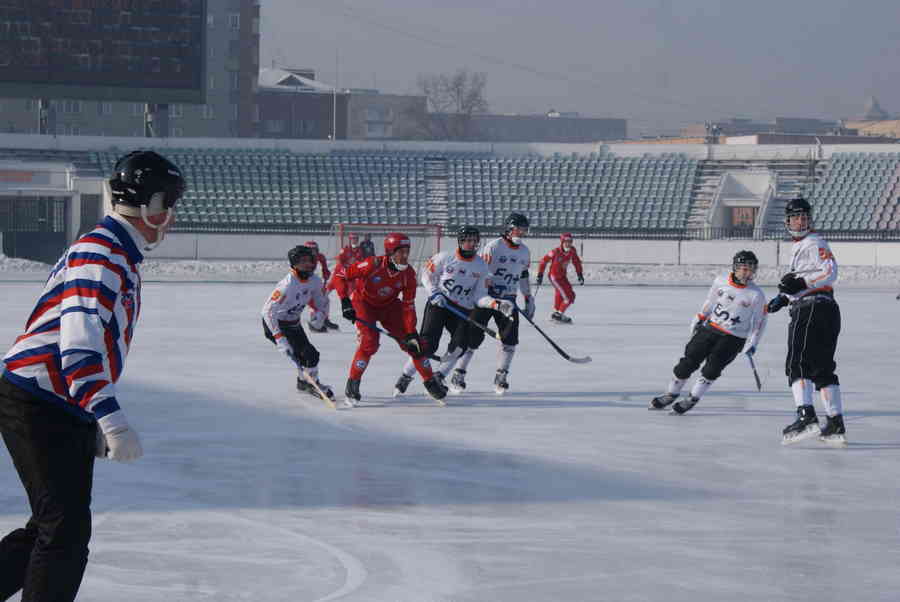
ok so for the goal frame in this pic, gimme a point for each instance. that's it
(425, 238)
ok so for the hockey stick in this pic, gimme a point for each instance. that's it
(559, 350)
(315, 385)
(474, 323)
(374, 327)
(755, 373)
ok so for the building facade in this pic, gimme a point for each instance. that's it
(230, 110)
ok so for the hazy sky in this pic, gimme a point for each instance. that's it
(658, 63)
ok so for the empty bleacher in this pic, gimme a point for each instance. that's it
(858, 191)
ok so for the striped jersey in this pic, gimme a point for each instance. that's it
(77, 337)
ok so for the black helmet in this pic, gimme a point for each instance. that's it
(145, 178)
(464, 233)
(797, 206)
(298, 253)
(745, 258)
(515, 220)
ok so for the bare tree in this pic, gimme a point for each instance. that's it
(451, 101)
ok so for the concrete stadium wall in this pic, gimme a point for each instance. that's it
(223, 247)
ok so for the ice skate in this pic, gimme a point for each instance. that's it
(683, 406)
(663, 401)
(834, 433)
(331, 325)
(318, 329)
(501, 385)
(321, 389)
(806, 426)
(436, 389)
(457, 381)
(351, 393)
(401, 385)
(303, 386)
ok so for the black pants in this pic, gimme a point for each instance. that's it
(438, 319)
(717, 348)
(304, 353)
(812, 341)
(507, 327)
(53, 452)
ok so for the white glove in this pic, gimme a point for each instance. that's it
(285, 348)
(503, 306)
(116, 440)
(529, 307)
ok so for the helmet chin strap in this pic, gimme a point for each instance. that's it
(160, 229)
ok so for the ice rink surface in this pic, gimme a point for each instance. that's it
(565, 489)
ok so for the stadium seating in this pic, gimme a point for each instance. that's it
(858, 191)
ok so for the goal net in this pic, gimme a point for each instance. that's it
(425, 239)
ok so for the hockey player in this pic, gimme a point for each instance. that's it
(349, 255)
(453, 281)
(732, 318)
(559, 259)
(327, 324)
(367, 246)
(380, 281)
(508, 260)
(813, 331)
(59, 397)
(281, 318)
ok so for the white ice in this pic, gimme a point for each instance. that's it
(565, 489)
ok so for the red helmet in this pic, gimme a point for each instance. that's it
(311, 244)
(564, 237)
(394, 241)
(353, 236)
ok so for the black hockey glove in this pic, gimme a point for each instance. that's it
(540, 279)
(791, 285)
(777, 303)
(414, 344)
(581, 279)
(347, 309)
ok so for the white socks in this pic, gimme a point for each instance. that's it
(675, 386)
(701, 385)
(803, 392)
(831, 399)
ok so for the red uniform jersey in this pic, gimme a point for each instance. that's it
(350, 255)
(378, 286)
(559, 260)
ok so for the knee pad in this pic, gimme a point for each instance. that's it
(710, 374)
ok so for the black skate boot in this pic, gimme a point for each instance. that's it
(683, 406)
(556, 317)
(436, 389)
(457, 381)
(351, 393)
(303, 386)
(325, 389)
(834, 432)
(661, 402)
(564, 319)
(806, 426)
(501, 385)
(401, 385)
(331, 325)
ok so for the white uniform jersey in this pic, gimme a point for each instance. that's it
(459, 279)
(736, 309)
(507, 268)
(287, 301)
(812, 260)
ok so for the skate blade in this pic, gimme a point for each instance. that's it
(399, 393)
(500, 391)
(347, 403)
(807, 433)
(456, 390)
(834, 440)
